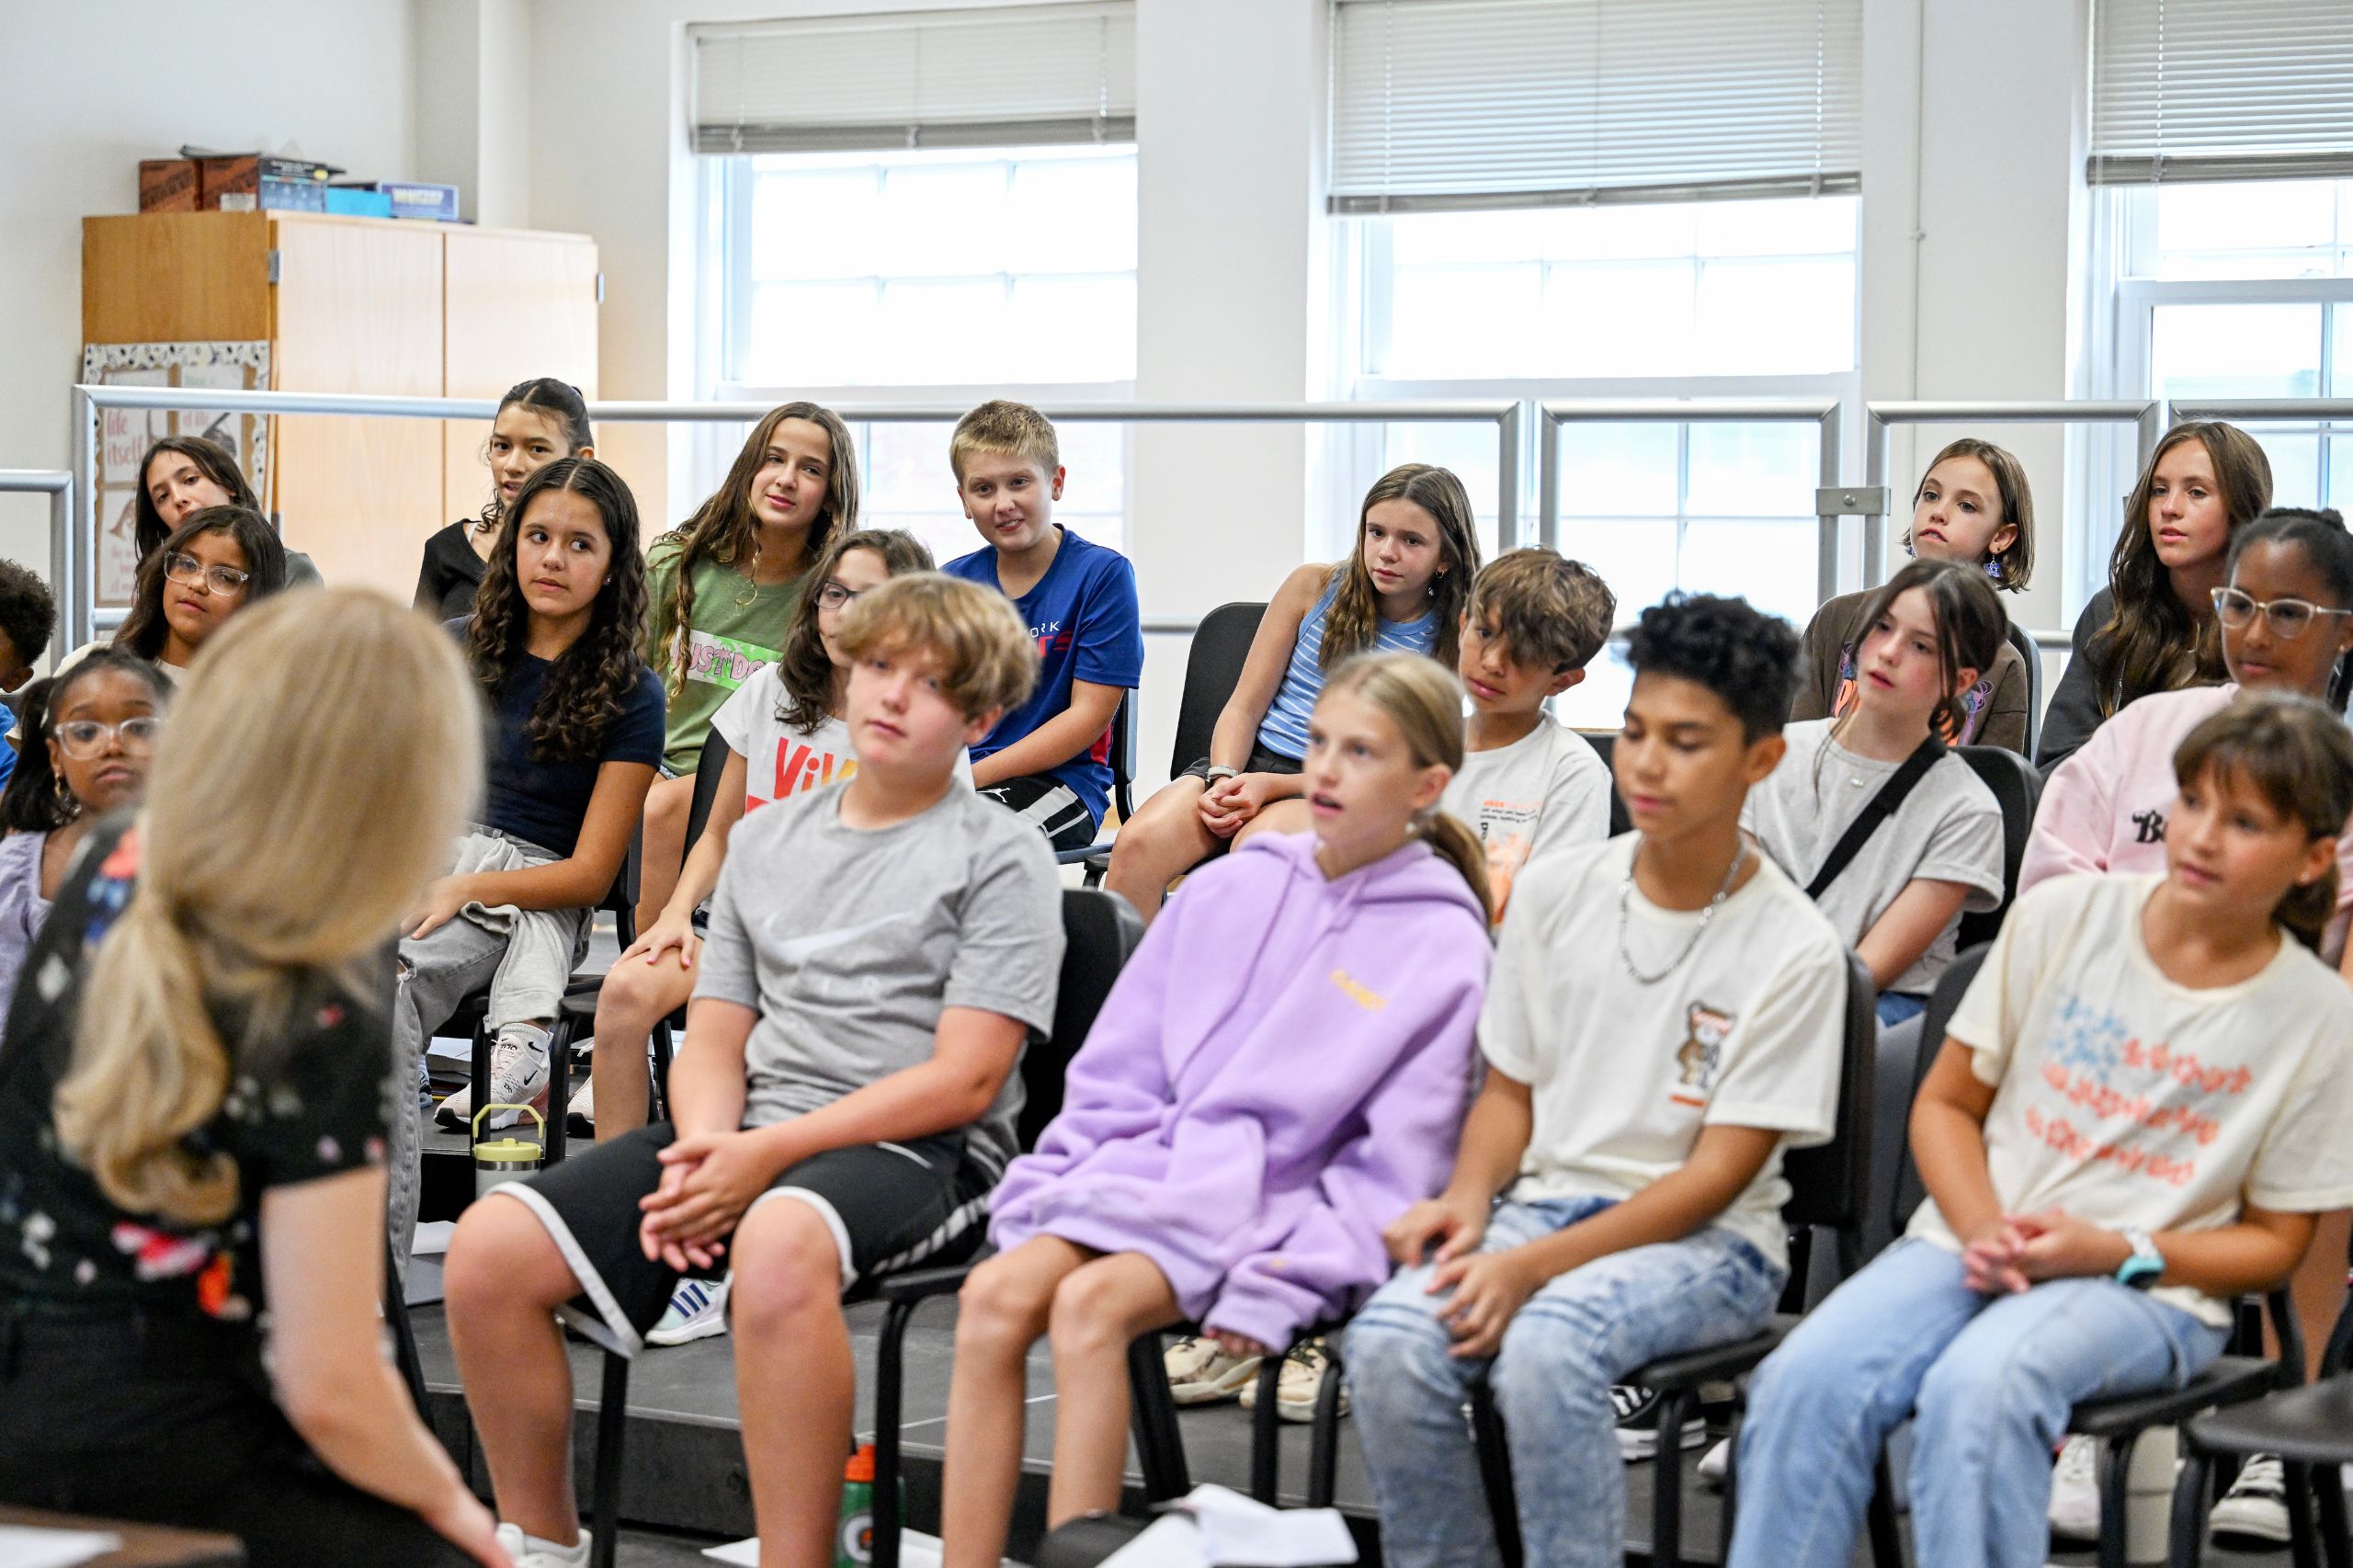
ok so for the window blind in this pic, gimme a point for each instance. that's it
(1017, 75)
(2220, 89)
(1441, 104)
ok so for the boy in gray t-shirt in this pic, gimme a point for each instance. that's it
(879, 951)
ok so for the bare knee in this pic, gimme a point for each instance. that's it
(1001, 1308)
(637, 996)
(788, 1266)
(502, 1260)
(1089, 1315)
(668, 803)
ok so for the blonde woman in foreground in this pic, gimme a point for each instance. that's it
(194, 1095)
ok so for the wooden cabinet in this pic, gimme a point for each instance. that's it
(356, 305)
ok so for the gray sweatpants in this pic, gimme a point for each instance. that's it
(524, 957)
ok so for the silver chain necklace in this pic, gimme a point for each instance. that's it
(1625, 898)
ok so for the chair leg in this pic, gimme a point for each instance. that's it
(1153, 1416)
(2334, 1547)
(1324, 1449)
(2186, 1546)
(612, 1423)
(890, 1368)
(2115, 1467)
(559, 1087)
(1265, 1458)
(1729, 1510)
(396, 1318)
(1495, 1468)
(1879, 1517)
(1666, 1482)
(660, 1107)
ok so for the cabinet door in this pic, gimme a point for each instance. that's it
(516, 306)
(358, 309)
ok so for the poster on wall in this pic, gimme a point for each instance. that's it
(125, 434)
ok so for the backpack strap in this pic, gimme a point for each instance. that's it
(1881, 806)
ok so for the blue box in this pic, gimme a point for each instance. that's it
(359, 202)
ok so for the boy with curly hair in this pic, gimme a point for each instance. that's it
(1663, 1021)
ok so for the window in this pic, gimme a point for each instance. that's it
(1742, 299)
(934, 276)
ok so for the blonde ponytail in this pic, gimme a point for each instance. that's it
(319, 758)
(1424, 703)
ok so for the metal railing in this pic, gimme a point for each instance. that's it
(58, 484)
(1508, 417)
(1822, 413)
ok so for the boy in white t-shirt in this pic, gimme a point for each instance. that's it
(1527, 787)
(2137, 1109)
(1664, 1018)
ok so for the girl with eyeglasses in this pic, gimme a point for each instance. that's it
(219, 562)
(2286, 619)
(785, 735)
(96, 727)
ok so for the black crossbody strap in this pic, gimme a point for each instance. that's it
(1882, 806)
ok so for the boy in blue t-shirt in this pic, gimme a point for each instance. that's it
(1048, 759)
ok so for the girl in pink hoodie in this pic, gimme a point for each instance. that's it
(1279, 1072)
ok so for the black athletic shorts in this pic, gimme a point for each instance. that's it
(1049, 805)
(889, 1205)
(1261, 761)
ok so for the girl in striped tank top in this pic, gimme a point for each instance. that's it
(1403, 590)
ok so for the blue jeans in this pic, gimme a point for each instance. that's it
(1988, 1380)
(1582, 1331)
(1895, 1006)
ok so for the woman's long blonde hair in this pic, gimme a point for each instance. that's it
(321, 754)
(1424, 703)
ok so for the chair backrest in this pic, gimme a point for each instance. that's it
(1910, 1191)
(1830, 1183)
(1212, 670)
(2019, 788)
(1606, 743)
(2033, 657)
(707, 770)
(1099, 931)
(1123, 755)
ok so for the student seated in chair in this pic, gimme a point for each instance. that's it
(1666, 1016)
(2136, 1110)
(843, 1103)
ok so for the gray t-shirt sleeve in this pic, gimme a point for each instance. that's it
(1009, 947)
(727, 969)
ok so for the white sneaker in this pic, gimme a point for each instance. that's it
(1715, 1465)
(580, 1116)
(530, 1551)
(1637, 1410)
(518, 1075)
(1298, 1384)
(2074, 1490)
(697, 1311)
(1199, 1372)
(2253, 1516)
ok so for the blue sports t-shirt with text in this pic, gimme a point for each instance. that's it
(1083, 613)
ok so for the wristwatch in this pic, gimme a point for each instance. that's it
(2146, 1265)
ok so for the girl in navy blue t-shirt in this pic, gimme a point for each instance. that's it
(574, 737)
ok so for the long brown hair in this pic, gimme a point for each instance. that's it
(2153, 642)
(212, 460)
(1422, 698)
(724, 528)
(143, 631)
(2011, 566)
(1350, 625)
(591, 682)
(804, 667)
(2298, 757)
(288, 825)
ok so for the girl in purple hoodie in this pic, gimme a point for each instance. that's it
(1281, 1071)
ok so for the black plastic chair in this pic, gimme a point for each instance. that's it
(1829, 1187)
(1606, 743)
(1124, 783)
(1213, 669)
(2033, 657)
(473, 1013)
(2310, 1430)
(2018, 788)
(2120, 1420)
(577, 1015)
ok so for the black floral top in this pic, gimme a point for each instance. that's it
(314, 1105)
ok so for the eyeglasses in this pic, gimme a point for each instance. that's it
(83, 739)
(188, 569)
(2289, 617)
(834, 597)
